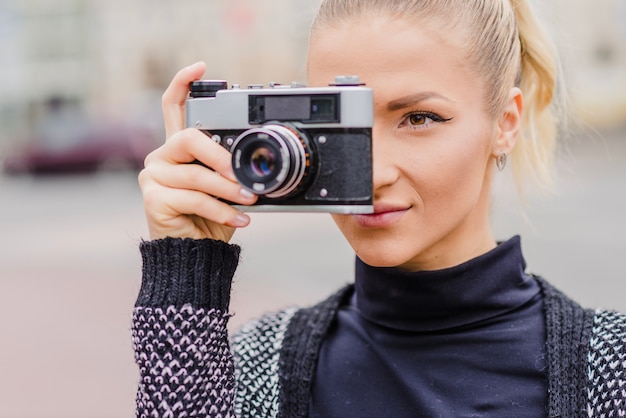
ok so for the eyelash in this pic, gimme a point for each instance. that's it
(423, 115)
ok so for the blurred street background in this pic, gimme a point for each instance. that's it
(80, 87)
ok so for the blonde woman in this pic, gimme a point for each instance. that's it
(442, 321)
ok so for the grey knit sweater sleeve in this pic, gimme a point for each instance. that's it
(606, 365)
(179, 329)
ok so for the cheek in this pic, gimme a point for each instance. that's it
(450, 170)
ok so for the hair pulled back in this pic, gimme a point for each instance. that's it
(506, 46)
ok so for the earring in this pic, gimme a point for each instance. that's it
(501, 161)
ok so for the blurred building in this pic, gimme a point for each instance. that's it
(115, 57)
(591, 39)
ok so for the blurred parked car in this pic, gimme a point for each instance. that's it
(113, 147)
(65, 141)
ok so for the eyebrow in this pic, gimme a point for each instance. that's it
(413, 99)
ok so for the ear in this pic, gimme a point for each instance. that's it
(510, 124)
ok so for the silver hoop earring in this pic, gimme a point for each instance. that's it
(501, 161)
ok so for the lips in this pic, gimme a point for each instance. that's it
(383, 216)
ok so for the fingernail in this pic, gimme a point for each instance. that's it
(241, 220)
(246, 194)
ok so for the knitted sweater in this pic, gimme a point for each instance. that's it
(189, 367)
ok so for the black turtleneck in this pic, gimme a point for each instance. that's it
(466, 341)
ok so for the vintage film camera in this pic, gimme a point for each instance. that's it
(300, 149)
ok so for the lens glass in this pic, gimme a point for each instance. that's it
(263, 162)
(271, 160)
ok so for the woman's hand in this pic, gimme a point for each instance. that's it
(180, 198)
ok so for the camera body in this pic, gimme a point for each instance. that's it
(300, 149)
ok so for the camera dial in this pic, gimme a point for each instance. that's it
(273, 160)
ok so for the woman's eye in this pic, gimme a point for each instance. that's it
(423, 119)
(418, 120)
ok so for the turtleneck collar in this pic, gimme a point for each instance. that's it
(477, 290)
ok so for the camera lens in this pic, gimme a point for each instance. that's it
(273, 160)
(263, 162)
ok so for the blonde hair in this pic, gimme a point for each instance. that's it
(507, 48)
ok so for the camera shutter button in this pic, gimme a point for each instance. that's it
(347, 80)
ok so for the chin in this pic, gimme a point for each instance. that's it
(382, 258)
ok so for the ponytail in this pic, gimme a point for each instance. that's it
(544, 106)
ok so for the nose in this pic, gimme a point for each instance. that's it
(385, 171)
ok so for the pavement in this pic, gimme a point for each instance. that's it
(70, 270)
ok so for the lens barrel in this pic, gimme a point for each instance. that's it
(272, 160)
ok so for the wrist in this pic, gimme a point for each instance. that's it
(178, 272)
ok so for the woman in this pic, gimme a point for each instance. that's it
(441, 320)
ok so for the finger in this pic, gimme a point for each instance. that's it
(189, 145)
(174, 97)
(171, 207)
(206, 207)
(198, 178)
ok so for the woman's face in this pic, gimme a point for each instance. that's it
(432, 142)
